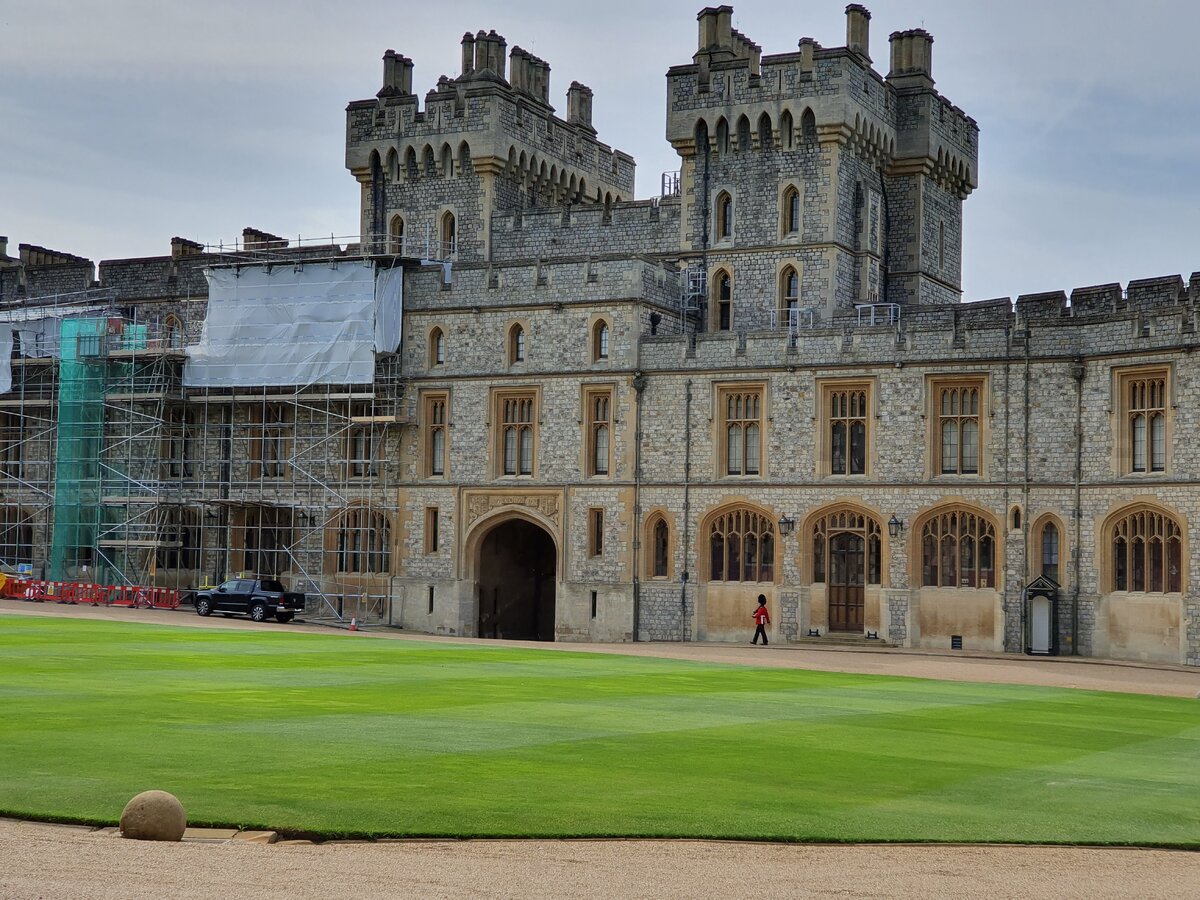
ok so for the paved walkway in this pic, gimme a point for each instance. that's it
(1068, 672)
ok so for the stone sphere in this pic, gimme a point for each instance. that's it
(153, 816)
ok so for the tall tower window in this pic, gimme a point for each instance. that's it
(516, 344)
(724, 216)
(449, 234)
(600, 341)
(791, 211)
(789, 291)
(722, 302)
(396, 235)
(437, 347)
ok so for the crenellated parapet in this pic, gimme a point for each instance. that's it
(882, 164)
(1156, 316)
(493, 130)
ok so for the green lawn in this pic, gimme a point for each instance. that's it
(341, 734)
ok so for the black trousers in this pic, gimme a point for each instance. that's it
(760, 630)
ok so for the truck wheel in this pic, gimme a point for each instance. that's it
(258, 612)
(203, 607)
(283, 618)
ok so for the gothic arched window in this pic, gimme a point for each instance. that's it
(1147, 553)
(741, 547)
(958, 549)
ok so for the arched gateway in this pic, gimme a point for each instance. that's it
(515, 575)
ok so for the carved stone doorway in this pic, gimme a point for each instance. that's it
(515, 582)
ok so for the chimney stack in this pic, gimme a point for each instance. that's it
(489, 52)
(184, 247)
(3, 245)
(579, 106)
(716, 28)
(468, 54)
(912, 55)
(397, 75)
(858, 30)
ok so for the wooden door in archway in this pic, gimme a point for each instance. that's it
(847, 559)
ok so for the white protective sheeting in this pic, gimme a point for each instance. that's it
(286, 326)
(41, 338)
(388, 312)
(6, 348)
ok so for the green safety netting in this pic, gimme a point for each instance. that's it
(82, 380)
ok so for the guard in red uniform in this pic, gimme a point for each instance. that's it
(762, 618)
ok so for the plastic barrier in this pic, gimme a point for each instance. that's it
(121, 595)
(14, 588)
(76, 592)
(35, 590)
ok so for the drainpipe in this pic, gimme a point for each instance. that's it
(687, 508)
(1025, 468)
(1078, 372)
(1007, 453)
(639, 387)
(886, 253)
(703, 325)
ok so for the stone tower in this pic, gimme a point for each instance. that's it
(487, 141)
(812, 182)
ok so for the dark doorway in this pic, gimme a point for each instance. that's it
(515, 580)
(846, 559)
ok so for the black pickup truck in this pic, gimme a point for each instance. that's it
(256, 597)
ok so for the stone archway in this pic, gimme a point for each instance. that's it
(515, 577)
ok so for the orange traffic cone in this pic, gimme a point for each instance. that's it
(353, 623)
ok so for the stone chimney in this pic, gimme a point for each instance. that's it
(253, 239)
(541, 80)
(3, 245)
(397, 75)
(858, 30)
(183, 247)
(518, 65)
(912, 55)
(468, 54)
(489, 53)
(579, 106)
(807, 49)
(716, 28)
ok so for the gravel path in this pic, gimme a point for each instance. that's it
(46, 861)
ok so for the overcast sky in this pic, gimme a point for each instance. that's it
(125, 122)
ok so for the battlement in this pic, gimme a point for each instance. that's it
(33, 256)
(899, 117)
(1155, 315)
(641, 226)
(40, 271)
(494, 118)
(564, 281)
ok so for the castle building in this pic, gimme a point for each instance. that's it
(547, 410)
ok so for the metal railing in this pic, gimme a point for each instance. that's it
(878, 313)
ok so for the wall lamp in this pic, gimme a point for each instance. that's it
(787, 525)
(895, 526)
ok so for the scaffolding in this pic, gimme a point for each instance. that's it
(142, 480)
